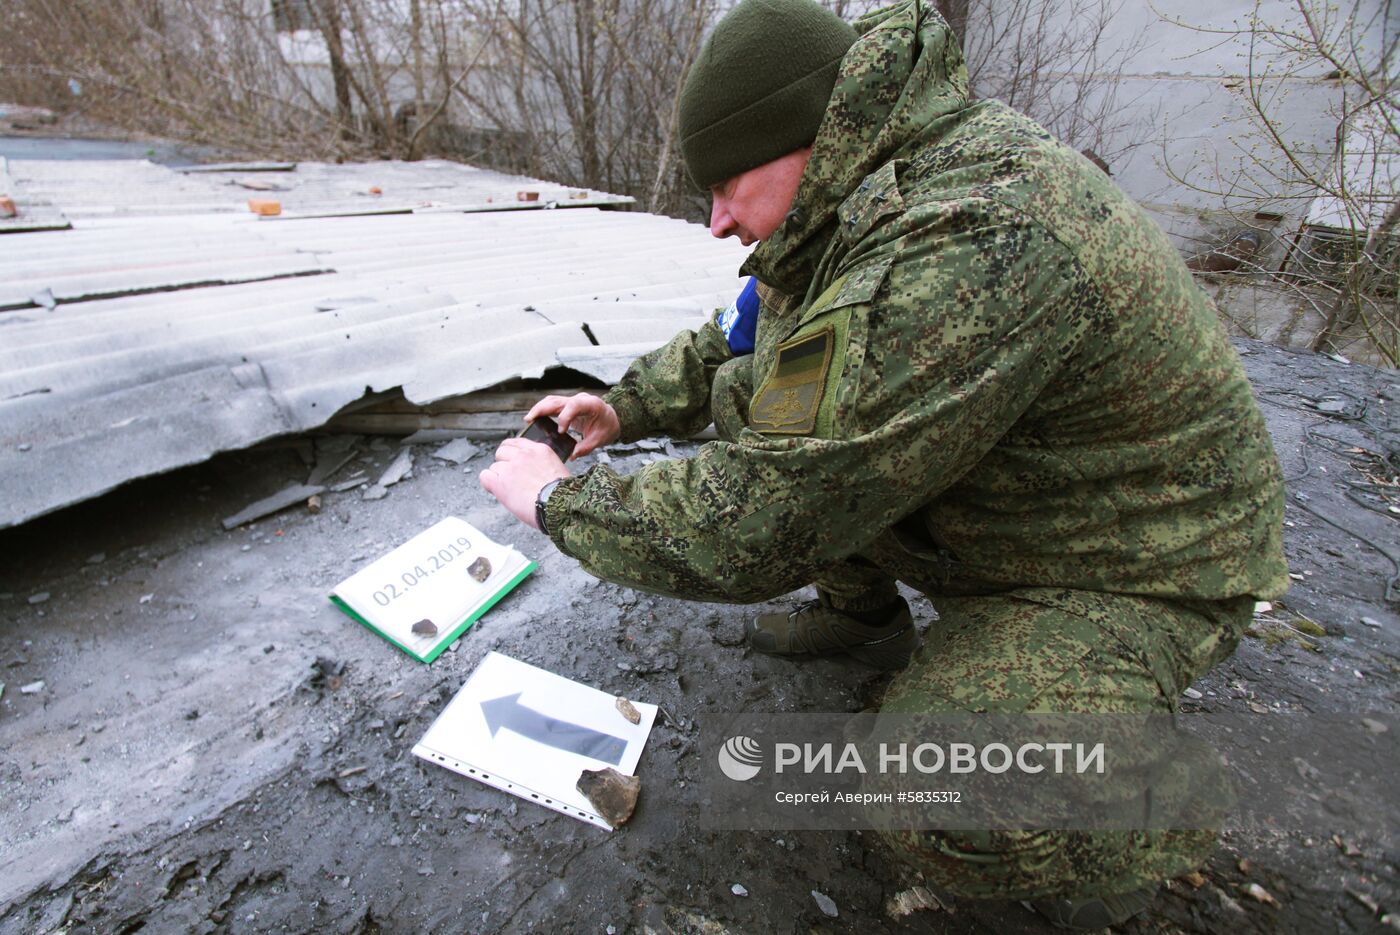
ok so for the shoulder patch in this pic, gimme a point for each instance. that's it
(788, 401)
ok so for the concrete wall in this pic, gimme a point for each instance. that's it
(1198, 164)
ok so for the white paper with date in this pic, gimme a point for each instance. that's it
(428, 591)
(532, 733)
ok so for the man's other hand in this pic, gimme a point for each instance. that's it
(596, 420)
(522, 467)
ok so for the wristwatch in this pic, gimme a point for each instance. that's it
(541, 499)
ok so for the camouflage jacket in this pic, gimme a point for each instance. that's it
(980, 365)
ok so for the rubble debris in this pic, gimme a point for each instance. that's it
(1364, 900)
(425, 627)
(1371, 622)
(7, 207)
(1373, 725)
(480, 569)
(33, 688)
(1193, 694)
(288, 496)
(313, 503)
(376, 190)
(612, 794)
(398, 469)
(738, 889)
(1195, 879)
(825, 903)
(39, 598)
(527, 196)
(459, 451)
(265, 207)
(628, 710)
(912, 900)
(332, 454)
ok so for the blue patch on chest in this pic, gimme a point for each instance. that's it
(739, 321)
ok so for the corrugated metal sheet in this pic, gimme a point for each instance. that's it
(132, 188)
(94, 393)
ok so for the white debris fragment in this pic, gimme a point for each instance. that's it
(825, 903)
(738, 889)
(146, 598)
(39, 598)
(1193, 694)
(1371, 622)
(33, 688)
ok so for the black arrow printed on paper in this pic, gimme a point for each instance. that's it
(508, 712)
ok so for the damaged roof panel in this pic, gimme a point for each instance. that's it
(95, 392)
(136, 188)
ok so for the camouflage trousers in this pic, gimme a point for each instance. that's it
(1037, 650)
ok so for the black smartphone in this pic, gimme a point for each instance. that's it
(546, 430)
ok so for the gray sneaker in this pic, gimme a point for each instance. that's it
(1097, 913)
(818, 629)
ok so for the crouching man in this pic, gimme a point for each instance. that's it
(965, 361)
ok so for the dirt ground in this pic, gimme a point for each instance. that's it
(215, 748)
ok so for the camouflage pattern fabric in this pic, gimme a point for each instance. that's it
(1045, 650)
(1024, 386)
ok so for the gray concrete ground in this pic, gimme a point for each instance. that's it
(215, 748)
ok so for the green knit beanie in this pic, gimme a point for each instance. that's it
(759, 87)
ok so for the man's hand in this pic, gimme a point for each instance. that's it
(522, 467)
(590, 415)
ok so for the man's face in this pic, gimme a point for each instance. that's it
(753, 204)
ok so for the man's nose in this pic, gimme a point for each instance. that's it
(721, 223)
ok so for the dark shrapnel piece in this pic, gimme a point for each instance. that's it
(480, 569)
(425, 627)
(612, 794)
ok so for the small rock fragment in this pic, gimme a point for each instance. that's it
(1195, 879)
(628, 710)
(738, 889)
(1373, 725)
(1347, 849)
(912, 900)
(33, 688)
(612, 794)
(39, 598)
(1193, 694)
(425, 627)
(1257, 893)
(825, 904)
(146, 598)
(480, 569)
(1371, 622)
(1263, 607)
(313, 503)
